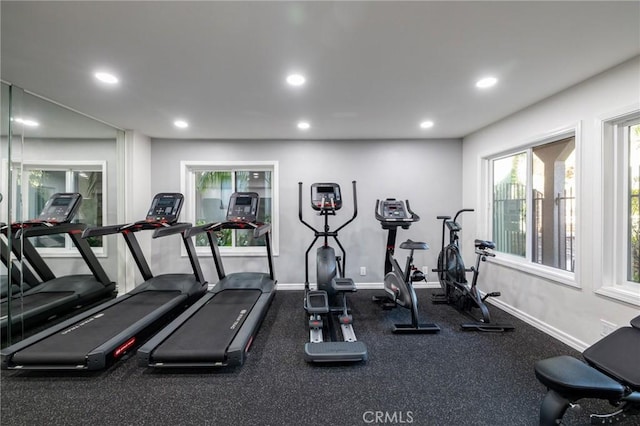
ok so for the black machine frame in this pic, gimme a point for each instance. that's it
(133, 317)
(329, 299)
(398, 283)
(456, 290)
(232, 310)
(47, 295)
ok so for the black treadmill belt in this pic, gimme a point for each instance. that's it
(33, 301)
(71, 345)
(206, 335)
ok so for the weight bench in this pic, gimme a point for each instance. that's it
(611, 372)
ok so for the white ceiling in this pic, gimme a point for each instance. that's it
(374, 69)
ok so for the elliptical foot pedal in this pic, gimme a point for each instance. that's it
(420, 329)
(344, 284)
(317, 302)
(439, 299)
(335, 352)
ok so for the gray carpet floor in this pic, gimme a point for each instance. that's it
(450, 378)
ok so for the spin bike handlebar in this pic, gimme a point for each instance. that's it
(460, 212)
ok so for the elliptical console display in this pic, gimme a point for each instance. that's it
(61, 207)
(243, 207)
(326, 196)
(165, 207)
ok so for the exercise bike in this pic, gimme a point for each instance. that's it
(398, 284)
(326, 306)
(456, 290)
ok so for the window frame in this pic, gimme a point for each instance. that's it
(188, 170)
(615, 204)
(526, 263)
(69, 167)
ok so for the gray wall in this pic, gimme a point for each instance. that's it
(413, 169)
(572, 314)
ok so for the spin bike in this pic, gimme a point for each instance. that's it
(398, 284)
(327, 305)
(452, 275)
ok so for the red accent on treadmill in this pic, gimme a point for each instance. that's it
(123, 348)
(246, 349)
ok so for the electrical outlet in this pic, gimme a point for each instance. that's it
(606, 327)
(363, 271)
(425, 270)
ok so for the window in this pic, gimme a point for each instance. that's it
(41, 181)
(621, 207)
(208, 187)
(632, 136)
(533, 203)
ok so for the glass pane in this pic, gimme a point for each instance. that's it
(89, 184)
(553, 212)
(634, 204)
(509, 204)
(260, 182)
(213, 190)
(42, 185)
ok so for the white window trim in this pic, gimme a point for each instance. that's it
(76, 165)
(525, 264)
(187, 186)
(612, 248)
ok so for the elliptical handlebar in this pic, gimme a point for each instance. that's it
(355, 211)
(355, 207)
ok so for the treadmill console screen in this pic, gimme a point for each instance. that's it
(393, 209)
(243, 207)
(165, 207)
(326, 196)
(61, 207)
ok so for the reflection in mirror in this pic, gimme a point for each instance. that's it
(60, 152)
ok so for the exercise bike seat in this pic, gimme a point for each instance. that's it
(485, 244)
(414, 245)
(574, 379)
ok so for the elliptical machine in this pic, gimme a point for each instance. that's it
(327, 306)
(457, 291)
(398, 284)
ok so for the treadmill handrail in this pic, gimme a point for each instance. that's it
(259, 229)
(38, 229)
(176, 228)
(129, 227)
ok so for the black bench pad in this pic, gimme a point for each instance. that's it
(574, 379)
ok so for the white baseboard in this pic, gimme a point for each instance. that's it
(540, 325)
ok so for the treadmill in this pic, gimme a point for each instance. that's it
(100, 336)
(219, 328)
(50, 295)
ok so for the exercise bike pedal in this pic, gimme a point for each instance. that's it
(492, 294)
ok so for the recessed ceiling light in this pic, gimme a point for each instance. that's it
(106, 77)
(486, 82)
(296, 79)
(181, 124)
(303, 125)
(27, 122)
(426, 124)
